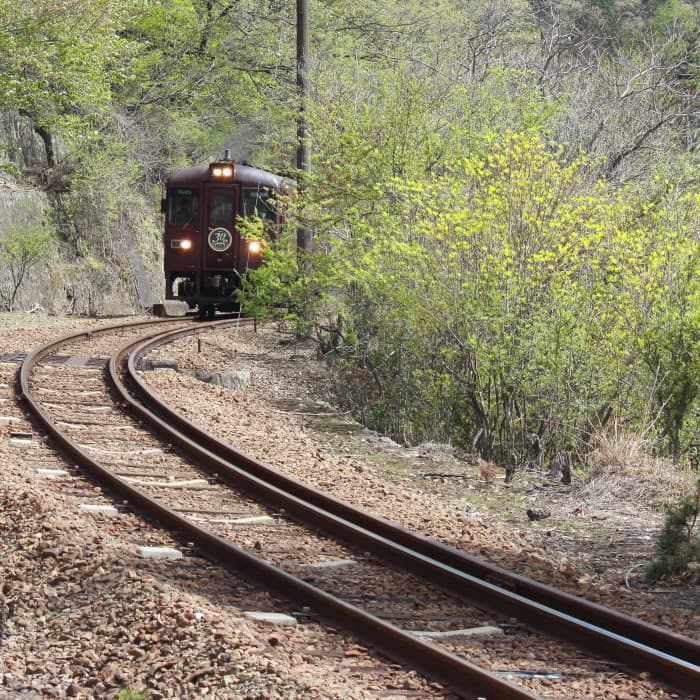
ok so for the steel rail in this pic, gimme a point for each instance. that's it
(643, 632)
(465, 679)
(294, 496)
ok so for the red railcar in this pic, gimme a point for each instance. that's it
(206, 257)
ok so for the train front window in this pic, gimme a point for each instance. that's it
(258, 202)
(184, 207)
(220, 210)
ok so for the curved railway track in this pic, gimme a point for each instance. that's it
(380, 556)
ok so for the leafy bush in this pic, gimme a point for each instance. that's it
(505, 303)
(679, 542)
(21, 249)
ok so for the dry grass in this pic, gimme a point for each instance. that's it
(622, 470)
(487, 470)
(628, 453)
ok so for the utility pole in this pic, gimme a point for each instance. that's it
(304, 236)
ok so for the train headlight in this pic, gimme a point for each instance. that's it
(181, 243)
(221, 170)
(254, 247)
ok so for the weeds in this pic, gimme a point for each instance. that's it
(129, 694)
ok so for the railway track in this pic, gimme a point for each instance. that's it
(359, 561)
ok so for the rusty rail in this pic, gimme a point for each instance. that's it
(467, 680)
(647, 647)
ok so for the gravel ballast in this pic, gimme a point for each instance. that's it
(82, 615)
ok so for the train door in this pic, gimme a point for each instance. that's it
(221, 243)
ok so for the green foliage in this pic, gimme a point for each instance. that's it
(664, 307)
(676, 14)
(679, 542)
(500, 301)
(469, 266)
(274, 290)
(9, 169)
(55, 57)
(493, 293)
(446, 293)
(204, 75)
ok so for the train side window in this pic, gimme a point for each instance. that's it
(184, 207)
(258, 202)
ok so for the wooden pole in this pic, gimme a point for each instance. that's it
(304, 236)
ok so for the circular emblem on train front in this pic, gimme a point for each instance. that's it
(220, 239)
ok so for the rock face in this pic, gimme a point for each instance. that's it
(21, 204)
(20, 145)
(35, 186)
(21, 150)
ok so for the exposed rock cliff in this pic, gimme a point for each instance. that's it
(112, 269)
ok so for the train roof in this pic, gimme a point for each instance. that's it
(242, 174)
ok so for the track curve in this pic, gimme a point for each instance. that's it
(674, 659)
(465, 679)
(667, 655)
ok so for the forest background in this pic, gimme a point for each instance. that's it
(503, 197)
